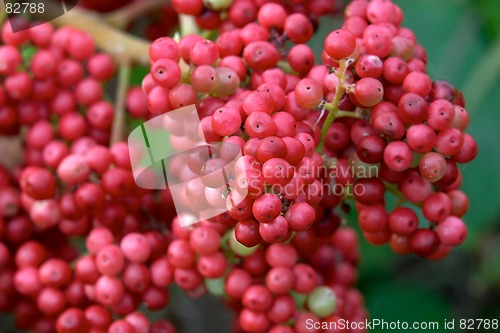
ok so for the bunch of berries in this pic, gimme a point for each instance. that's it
(289, 141)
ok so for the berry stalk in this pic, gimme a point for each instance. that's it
(333, 107)
(349, 114)
(120, 108)
(3, 16)
(188, 25)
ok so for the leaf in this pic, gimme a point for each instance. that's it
(483, 78)
(489, 10)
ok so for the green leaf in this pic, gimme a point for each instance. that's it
(489, 10)
(483, 78)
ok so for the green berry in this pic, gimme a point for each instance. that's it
(322, 302)
(239, 248)
(216, 286)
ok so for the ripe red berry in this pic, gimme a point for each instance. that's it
(398, 156)
(424, 242)
(403, 221)
(71, 320)
(309, 94)
(340, 44)
(412, 108)
(275, 231)
(110, 260)
(432, 167)
(369, 91)
(452, 231)
(298, 28)
(165, 72)
(261, 55)
(421, 138)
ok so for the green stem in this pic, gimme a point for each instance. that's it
(333, 107)
(121, 96)
(209, 34)
(188, 25)
(285, 67)
(349, 114)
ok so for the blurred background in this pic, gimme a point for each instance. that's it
(462, 38)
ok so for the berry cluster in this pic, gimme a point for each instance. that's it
(72, 185)
(315, 272)
(51, 74)
(83, 248)
(231, 14)
(263, 121)
(392, 127)
(413, 130)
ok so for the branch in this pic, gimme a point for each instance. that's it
(120, 18)
(188, 25)
(121, 96)
(3, 16)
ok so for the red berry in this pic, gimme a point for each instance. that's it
(340, 44)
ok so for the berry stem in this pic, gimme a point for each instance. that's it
(349, 114)
(333, 107)
(285, 67)
(3, 16)
(209, 34)
(187, 25)
(121, 95)
(120, 18)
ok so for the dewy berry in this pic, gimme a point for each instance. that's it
(358, 124)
